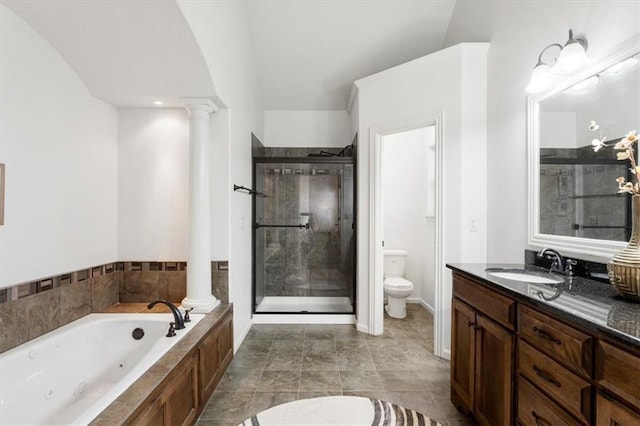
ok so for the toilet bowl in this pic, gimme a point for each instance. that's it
(395, 286)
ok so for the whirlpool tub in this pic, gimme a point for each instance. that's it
(68, 376)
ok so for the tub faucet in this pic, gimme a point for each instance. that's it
(177, 316)
(559, 264)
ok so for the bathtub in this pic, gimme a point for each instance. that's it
(68, 376)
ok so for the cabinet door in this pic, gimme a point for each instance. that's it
(152, 414)
(225, 342)
(610, 413)
(462, 355)
(181, 396)
(619, 372)
(209, 365)
(493, 373)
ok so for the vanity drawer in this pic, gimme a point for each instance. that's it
(496, 306)
(535, 409)
(619, 372)
(563, 343)
(565, 387)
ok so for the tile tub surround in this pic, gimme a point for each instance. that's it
(29, 310)
(32, 309)
(145, 281)
(282, 363)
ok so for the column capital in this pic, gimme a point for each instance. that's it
(199, 104)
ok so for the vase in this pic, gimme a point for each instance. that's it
(624, 267)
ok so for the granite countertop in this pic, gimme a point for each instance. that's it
(126, 404)
(591, 304)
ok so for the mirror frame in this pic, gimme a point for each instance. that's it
(598, 249)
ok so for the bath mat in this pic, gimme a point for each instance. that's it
(339, 410)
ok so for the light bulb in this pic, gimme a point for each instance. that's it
(541, 78)
(622, 66)
(584, 84)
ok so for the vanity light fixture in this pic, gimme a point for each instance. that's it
(542, 74)
(584, 84)
(622, 66)
(571, 56)
(157, 103)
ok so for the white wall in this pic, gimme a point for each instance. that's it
(307, 129)
(518, 31)
(153, 184)
(59, 144)
(451, 81)
(221, 30)
(558, 130)
(408, 194)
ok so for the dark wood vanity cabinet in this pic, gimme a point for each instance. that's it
(535, 368)
(482, 353)
(618, 373)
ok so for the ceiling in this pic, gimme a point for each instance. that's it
(307, 53)
(127, 53)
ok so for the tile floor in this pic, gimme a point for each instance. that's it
(282, 363)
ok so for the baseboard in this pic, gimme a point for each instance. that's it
(303, 319)
(422, 303)
(446, 354)
(238, 342)
(362, 328)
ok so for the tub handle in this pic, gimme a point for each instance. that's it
(187, 318)
(172, 329)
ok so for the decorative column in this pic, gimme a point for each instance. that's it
(199, 295)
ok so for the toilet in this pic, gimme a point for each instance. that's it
(396, 287)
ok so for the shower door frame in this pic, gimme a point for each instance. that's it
(308, 160)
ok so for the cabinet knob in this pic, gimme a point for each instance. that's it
(539, 420)
(546, 376)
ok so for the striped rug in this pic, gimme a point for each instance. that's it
(340, 410)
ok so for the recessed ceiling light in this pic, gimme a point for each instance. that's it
(157, 103)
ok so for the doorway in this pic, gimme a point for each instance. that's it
(376, 258)
(408, 206)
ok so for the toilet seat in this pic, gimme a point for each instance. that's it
(398, 283)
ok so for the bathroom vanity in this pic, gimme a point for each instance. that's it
(543, 354)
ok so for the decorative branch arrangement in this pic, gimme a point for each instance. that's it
(249, 191)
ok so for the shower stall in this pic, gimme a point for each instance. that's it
(304, 235)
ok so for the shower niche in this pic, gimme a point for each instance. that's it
(304, 235)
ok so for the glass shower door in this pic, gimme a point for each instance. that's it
(303, 242)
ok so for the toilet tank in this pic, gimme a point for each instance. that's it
(394, 262)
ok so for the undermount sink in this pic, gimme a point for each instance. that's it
(525, 276)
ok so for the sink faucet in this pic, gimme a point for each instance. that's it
(559, 264)
(177, 316)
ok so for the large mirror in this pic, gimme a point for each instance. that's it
(573, 194)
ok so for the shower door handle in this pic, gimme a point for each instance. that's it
(300, 226)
